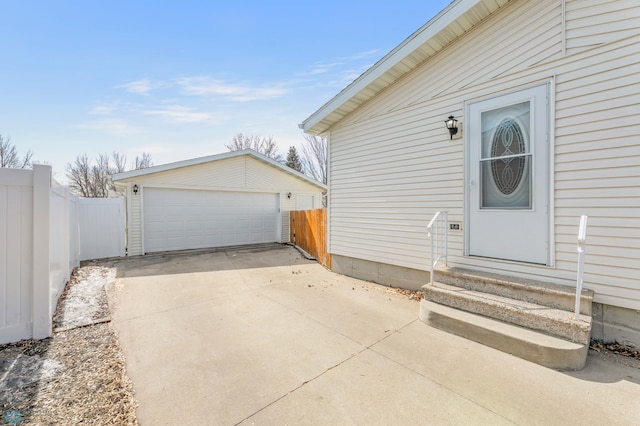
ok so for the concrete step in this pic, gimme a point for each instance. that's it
(552, 321)
(536, 347)
(538, 292)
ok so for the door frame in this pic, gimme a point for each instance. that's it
(551, 90)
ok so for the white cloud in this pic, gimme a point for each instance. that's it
(181, 114)
(141, 87)
(338, 65)
(210, 87)
(369, 54)
(321, 68)
(205, 86)
(112, 126)
(103, 109)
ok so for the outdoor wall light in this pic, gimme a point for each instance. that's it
(452, 125)
(289, 195)
(135, 188)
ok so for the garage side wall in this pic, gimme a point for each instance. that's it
(240, 174)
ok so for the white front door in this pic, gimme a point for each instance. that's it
(508, 177)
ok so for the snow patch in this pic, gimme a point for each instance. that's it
(49, 368)
(85, 300)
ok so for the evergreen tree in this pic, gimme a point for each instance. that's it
(293, 160)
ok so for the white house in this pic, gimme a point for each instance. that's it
(235, 198)
(547, 98)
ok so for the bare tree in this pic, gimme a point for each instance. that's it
(91, 180)
(315, 155)
(79, 175)
(142, 162)
(9, 156)
(264, 145)
(119, 162)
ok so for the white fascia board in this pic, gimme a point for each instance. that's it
(176, 165)
(438, 23)
(200, 160)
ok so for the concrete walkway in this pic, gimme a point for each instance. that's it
(262, 336)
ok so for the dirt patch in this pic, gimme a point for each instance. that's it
(615, 352)
(415, 295)
(76, 376)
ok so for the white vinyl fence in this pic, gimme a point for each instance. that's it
(39, 247)
(102, 225)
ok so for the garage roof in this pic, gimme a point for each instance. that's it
(447, 26)
(213, 158)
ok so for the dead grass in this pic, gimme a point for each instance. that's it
(76, 376)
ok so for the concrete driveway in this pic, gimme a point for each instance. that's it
(262, 336)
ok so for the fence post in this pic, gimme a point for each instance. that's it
(66, 233)
(76, 227)
(41, 312)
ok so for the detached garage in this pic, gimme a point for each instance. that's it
(235, 198)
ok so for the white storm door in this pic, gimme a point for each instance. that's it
(508, 177)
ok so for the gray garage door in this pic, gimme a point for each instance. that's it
(178, 219)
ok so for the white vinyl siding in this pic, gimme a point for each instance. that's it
(233, 173)
(288, 204)
(134, 222)
(393, 165)
(485, 53)
(597, 173)
(304, 202)
(593, 22)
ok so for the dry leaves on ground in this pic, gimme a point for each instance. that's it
(409, 294)
(616, 348)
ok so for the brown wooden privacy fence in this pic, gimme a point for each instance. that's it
(309, 232)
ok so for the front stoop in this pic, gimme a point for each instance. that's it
(529, 319)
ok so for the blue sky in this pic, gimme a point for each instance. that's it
(179, 79)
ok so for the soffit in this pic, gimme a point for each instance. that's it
(446, 27)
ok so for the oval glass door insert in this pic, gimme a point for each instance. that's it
(506, 157)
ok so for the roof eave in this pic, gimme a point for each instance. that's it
(211, 158)
(319, 122)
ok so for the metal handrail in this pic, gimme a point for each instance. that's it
(437, 233)
(582, 242)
